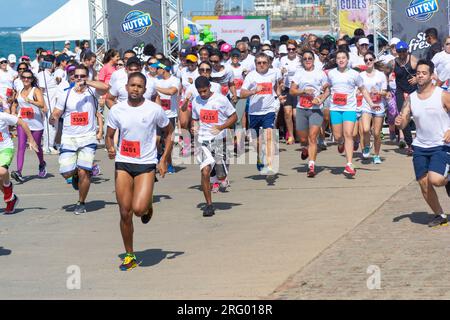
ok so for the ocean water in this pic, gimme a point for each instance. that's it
(10, 43)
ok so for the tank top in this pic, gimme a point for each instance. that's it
(432, 121)
(29, 113)
(402, 74)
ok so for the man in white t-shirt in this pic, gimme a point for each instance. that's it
(6, 85)
(78, 107)
(263, 87)
(212, 114)
(136, 119)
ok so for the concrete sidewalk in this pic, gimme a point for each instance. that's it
(261, 235)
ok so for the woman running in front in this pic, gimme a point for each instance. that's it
(375, 83)
(308, 84)
(30, 107)
(344, 82)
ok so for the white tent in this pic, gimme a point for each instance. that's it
(70, 22)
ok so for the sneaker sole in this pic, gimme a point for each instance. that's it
(14, 208)
(349, 174)
(440, 226)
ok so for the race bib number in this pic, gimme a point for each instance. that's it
(1, 137)
(9, 92)
(79, 119)
(131, 149)
(267, 88)
(166, 104)
(359, 100)
(376, 97)
(306, 101)
(238, 83)
(340, 99)
(225, 90)
(27, 113)
(209, 116)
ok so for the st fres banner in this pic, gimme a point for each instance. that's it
(410, 19)
(354, 15)
(134, 23)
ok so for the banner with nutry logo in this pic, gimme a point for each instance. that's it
(134, 23)
(411, 18)
(354, 14)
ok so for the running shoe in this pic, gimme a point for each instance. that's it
(129, 262)
(311, 171)
(11, 205)
(438, 221)
(69, 180)
(95, 170)
(215, 187)
(75, 180)
(8, 194)
(305, 153)
(209, 211)
(376, 160)
(170, 169)
(42, 170)
(259, 165)
(80, 208)
(16, 175)
(350, 170)
(148, 216)
(322, 144)
(224, 184)
(341, 148)
(366, 152)
(402, 144)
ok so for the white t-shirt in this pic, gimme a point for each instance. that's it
(60, 73)
(119, 90)
(249, 63)
(209, 113)
(440, 61)
(356, 61)
(18, 85)
(137, 127)
(238, 78)
(262, 102)
(117, 75)
(314, 79)
(374, 86)
(6, 120)
(343, 89)
(169, 103)
(292, 66)
(444, 75)
(80, 113)
(47, 81)
(187, 78)
(6, 82)
(223, 77)
(35, 67)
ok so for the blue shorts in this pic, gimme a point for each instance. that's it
(264, 121)
(339, 117)
(435, 159)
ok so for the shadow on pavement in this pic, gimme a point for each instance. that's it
(270, 179)
(36, 177)
(4, 252)
(90, 206)
(152, 257)
(223, 206)
(21, 210)
(158, 198)
(416, 217)
(97, 180)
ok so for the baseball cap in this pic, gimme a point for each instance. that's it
(192, 57)
(363, 41)
(67, 42)
(134, 60)
(269, 53)
(235, 52)
(24, 58)
(12, 58)
(394, 41)
(267, 42)
(226, 48)
(2, 59)
(282, 49)
(402, 46)
(62, 57)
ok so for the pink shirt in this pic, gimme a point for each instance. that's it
(106, 73)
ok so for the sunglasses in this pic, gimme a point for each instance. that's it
(80, 76)
(243, 51)
(204, 69)
(324, 54)
(26, 78)
(368, 60)
(402, 50)
(120, 65)
(261, 62)
(21, 69)
(308, 59)
(4, 62)
(214, 61)
(291, 49)
(447, 44)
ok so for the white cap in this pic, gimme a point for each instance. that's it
(394, 41)
(67, 42)
(12, 58)
(201, 43)
(269, 53)
(363, 41)
(282, 49)
(267, 42)
(3, 59)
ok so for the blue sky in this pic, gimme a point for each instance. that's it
(25, 13)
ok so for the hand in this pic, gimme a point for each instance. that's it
(52, 120)
(413, 81)
(399, 120)
(100, 136)
(259, 88)
(190, 80)
(316, 102)
(375, 108)
(309, 92)
(388, 96)
(189, 96)
(283, 99)
(447, 136)
(194, 130)
(163, 167)
(216, 130)
(112, 153)
(33, 146)
(234, 99)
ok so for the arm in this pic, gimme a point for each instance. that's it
(446, 103)
(168, 142)
(366, 96)
(404, 118)
(100, 126)
(101, 87)
(233, 91)
(228, 124)
(39, 99)
(56, 114)
(248, 93)
(167, 91)
(109, 140)
(110, 100)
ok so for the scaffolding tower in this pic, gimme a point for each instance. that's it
(98, 20)
(172, 22)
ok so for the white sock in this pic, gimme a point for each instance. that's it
(350, 164)
(7, 186)
(312, 163)
(444, 215)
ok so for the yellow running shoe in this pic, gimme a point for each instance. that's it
(129, 262)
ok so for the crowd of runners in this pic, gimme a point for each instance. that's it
(314, 91)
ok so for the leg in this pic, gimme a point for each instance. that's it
(348, 128)
(143, 193)
(22, 145)
(124, 195)
(366, 121)
(206, 172)
(314, 132)
(289, 125)
(429, 194)
(37, 135)
(84, 184)
(377, 127)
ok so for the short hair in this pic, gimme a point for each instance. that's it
(216, 52)
(202, 82)
(359, 33)
(428, 63)
(149, 50)
(129, 51)
(324, 46)
(344, 52)
(262, 55)
(292, 42)
(207, 63)
(431, 32)
(137, 75)
(308, 52)
(88, 56)
(255, 36)
(82, 67)
(39, 51)
(284, 38)
(166, 62)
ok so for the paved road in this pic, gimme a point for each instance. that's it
(261, 235)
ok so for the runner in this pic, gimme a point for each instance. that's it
(308, 84)
(7, 155)
(212, 114)
(344, 83)
(223, 75)
(136, 119)
(6, 85)
(430, 107)
(31, 108)
(375, 83)
(78, 107)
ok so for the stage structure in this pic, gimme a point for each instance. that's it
(98, 20)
